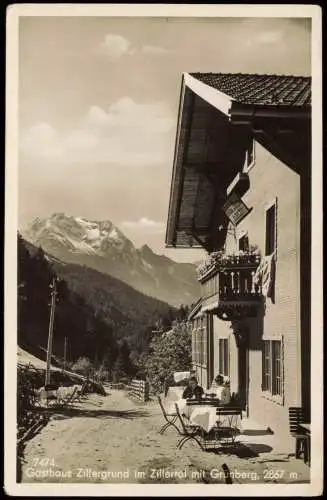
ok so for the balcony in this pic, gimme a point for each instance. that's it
(228, 286)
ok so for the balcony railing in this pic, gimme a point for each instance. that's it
(219, 260)
(228, 283)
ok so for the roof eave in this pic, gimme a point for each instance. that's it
(215, 97)
(245, 114)
(170, 237)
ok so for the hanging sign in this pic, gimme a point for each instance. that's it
(235, 209)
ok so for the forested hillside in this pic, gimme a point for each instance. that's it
(97, 313)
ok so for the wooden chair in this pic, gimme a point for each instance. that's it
(302, 440)
(169, 417)
(189, 431)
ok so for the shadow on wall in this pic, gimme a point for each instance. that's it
(255, 328)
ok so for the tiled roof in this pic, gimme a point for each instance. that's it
(261, 89)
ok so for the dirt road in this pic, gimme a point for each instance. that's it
(112, 440)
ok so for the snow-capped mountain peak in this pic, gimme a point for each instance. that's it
(102, 246)
(78, 234)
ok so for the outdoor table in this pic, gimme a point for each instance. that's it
(203, 416)
(216, 429)
(306, 428)
(205, 413)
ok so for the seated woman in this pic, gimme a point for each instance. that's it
(192, 389)
(221, 389)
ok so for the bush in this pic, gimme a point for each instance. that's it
(83, 366)
(25, 395)
(170, 352)
(101, 374)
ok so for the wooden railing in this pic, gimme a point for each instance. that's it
(232, 285)
(139, 390)
(238, 285)
(218, 261)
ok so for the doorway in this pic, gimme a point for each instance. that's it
(243, 376)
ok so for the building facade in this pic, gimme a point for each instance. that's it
(240, 189)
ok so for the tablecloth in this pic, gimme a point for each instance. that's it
(204, 416)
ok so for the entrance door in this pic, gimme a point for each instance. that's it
(243, 376)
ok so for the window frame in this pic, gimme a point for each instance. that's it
(200, 342)
(248, 166)
(272, 205)
(223, 356)
(269, 390)
(243, 235)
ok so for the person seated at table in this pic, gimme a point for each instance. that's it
(193, 389)
(221, 389)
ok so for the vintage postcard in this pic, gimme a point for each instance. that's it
(163, 250)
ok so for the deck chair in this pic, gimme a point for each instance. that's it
(302, 441)
(169, 417)
(189, 431)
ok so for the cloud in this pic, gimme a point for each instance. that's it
(153, 49)
(115, 46)
(127, 133)
(41, 140)
(145, 225)
(269, 36)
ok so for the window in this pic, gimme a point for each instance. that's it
(266, 367)
(199, 342)
(204, 343)
(249, 156)
(243, 243)
(276, 367)
(194, 343)
(270, 230)
(272, 367)
(223, 353)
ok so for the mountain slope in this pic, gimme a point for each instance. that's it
(128, 313)
(102, 246)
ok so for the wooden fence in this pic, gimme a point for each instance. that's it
(139, 389)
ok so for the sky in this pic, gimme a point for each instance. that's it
(98, 104)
